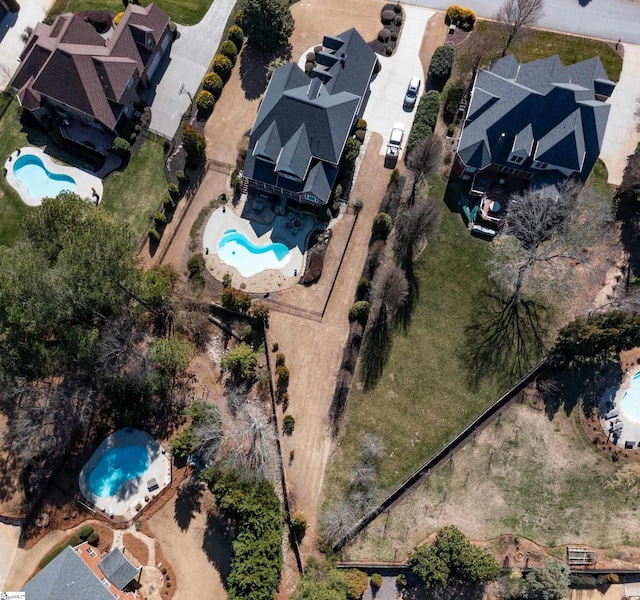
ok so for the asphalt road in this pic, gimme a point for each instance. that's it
(607, 19)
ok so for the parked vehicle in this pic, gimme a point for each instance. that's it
(394, 147)
(412, 93)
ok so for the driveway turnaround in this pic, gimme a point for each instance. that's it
(621, 135)
(12, 27)
(606, 19)
(191, 56)
(384, 107)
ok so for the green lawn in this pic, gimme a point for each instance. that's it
(185, 12)
(134, 194)
(423, 398)
(571, 49)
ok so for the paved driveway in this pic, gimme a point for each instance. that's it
(607, 19)
(191, 55)
(12, 27)
(621, 137)
(384, 107)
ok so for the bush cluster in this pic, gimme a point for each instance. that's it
(359, 312)
(425, 119)
(235, 299)
(205, 101)
(230, 50)
(236, 35)
(194, 143)
(121, 147)
(222, 66)
(213, 83)
(441, 63)
(462, 17)
(454, 95)
(196, 266)
(381, 227)
(257, 546)
(288, 424)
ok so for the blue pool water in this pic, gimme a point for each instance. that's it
(631, 400)
(116, 467)
(249, 259)
(40, 182)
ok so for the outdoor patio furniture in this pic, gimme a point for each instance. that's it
(612, 414)
(152, 484)
(615, 428)
(629, 445)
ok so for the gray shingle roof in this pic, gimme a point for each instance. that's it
(117, 569)
(543, 101)
(304, 120)
(66, 577)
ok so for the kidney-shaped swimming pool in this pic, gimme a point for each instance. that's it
(236, 250)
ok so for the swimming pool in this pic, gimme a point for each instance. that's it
(630, 404)
(236, 250)
(39, 181)
(116, 467)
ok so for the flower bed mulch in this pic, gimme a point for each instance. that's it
(392, 17)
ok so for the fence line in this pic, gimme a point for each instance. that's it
(445, 452)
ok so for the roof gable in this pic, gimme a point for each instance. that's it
(296, 154)
(117, 569)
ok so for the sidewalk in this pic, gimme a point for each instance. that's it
(11, 29)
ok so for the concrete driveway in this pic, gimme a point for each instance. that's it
(9, 537)
(621, 136)
(384, 107)
(12, 27)
(191, 56)
(607, 19)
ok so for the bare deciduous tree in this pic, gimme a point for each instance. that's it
(337, 521)
(373, 449)
(422, 160)
(514, 17)
(477, 50)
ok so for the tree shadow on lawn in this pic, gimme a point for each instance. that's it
(188, 502)
(253, 70)
(216, 544)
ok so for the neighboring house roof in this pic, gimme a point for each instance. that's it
(305, 120)
(66, 577)
(70, 63)
(117, 569)
(542, 108)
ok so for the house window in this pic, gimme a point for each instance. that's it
(287, 176)
(91, 552)
(131, 82)
(310, 198)
(514, 158)
(540, 165)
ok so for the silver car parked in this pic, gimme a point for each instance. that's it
(412, 93)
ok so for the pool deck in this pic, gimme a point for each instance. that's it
(261, 234)
(612, 399)
(134, 491)
(87, 186)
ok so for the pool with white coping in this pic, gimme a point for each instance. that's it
(127, 470)
(233, 241)
(35, 176)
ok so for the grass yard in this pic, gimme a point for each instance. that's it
(527, 475)
(571, 49)
(185, 12)
(423, 398)
(135, 194)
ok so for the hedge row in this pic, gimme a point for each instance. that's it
(441, 63)
(425, 120)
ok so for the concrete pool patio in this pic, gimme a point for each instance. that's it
(619, 419)
(264, 227)
(133, 492)
(86, 185)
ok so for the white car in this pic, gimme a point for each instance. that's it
(412, 94)
(394, 147)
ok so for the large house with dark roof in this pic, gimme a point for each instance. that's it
(531, 125)
(69, 72)
(81, 573)
(304, 121)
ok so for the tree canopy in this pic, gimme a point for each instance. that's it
(452, 560)
(549, 583)
(267, 23)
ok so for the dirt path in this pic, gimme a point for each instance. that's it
(190, 538)
(313, 352)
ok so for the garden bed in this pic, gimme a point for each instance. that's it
(392, 17)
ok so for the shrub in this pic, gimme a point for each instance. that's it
(181, 176)
(174, 191)
(401, 580)
(230, 50)
(298, 521)
(280, 359)
(361, 124)
(154, 236)
(195, 265)
(241, 362)
(160, 218)
(451, 129)
(397, 21)
(360, 135)
(117, 18)
(388, 50)
(85, 531)
(351, 151)
(205, 101)
(288, 424)
(359, 312)
(121, 147)
(381, 227)
(384, 35)
(236, 181)
(441, 63)
(397, 8)
(460, 16)
(237, 18)
(235, 299)
(226, 279)
(387, 16)
(133, 137)
(275, 347)
(394, 36)
(222, 66)
(282, 372)
(183, 444)
(212, 82)
(100, 20)
(168, 202)
(357, 583)
(194, 144)
(362, 288)
(455, 95)
(376, 580)
(425, 119)
(93, 539)
(236, 35)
